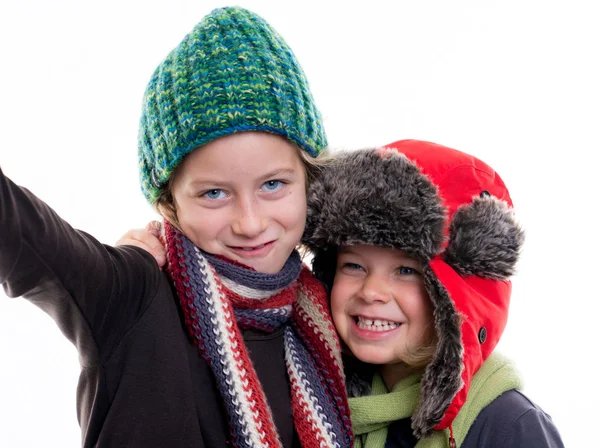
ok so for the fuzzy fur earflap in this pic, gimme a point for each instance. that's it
(485, 239)
(442, 378)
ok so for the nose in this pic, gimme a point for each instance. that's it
(249, 221)
(375, 289)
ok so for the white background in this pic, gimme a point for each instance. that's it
(516, 83)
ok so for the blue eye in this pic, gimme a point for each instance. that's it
(272, 185)
(214, 194)
(403, 270)
(352, 266)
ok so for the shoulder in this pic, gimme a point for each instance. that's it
(400, 434)
(139, 291)
(134, 260)
(513, 420)
(139, 275)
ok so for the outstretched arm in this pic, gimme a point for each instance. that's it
(94, 292)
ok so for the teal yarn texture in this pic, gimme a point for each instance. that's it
(233, 72)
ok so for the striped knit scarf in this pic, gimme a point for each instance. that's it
(220, 297)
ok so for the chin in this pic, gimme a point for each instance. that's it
(370, 356)
(267, 267)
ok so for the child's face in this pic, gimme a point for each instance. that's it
(379, 304)
(243, 196)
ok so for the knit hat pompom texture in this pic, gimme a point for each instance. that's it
(233, 72)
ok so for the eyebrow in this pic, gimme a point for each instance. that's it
(402, 257)
(207, 182)
(278, 172)
(269, 175)
(346, 250)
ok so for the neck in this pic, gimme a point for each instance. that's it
(393, 373)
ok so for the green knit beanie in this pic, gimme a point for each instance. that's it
(232, 73)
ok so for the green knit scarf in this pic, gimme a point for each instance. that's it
(371, 415)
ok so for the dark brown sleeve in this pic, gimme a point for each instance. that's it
(94, 292)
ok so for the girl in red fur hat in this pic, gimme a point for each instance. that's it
(417, 243)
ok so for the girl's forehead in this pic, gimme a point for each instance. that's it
(247, 154)
(368, 250)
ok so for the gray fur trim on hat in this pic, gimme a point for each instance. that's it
(485, 239)
(364, 198)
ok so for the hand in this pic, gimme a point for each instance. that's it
(147, 239)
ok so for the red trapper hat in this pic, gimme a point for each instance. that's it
(452, 211)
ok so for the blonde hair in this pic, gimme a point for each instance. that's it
(421, 356)
(165, 204)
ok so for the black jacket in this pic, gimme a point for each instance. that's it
(142, 382)
(510, 421)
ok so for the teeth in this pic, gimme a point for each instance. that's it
(376, 324)
(248, 249)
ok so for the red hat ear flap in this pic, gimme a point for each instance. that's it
(484, 239)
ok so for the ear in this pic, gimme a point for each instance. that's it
(484, 239)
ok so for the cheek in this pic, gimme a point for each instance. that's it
(293, 212)
(421, 315)
(187, 213)
(202, 225)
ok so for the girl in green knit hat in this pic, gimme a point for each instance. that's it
(233, 345)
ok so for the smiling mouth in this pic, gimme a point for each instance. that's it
(375, 324)
(253, 251)
(250, 249)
